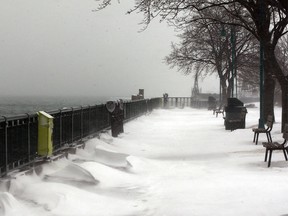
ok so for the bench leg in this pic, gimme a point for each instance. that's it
(269, 134)
(254, 136)
(268, 138)
(270, 156)
(257, 136)
(266, 154)
(285, 155)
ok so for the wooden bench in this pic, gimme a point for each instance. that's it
(271, 146)
(218, 110)
(267, 130)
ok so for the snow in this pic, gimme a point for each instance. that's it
(170, 162)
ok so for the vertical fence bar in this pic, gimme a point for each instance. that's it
(6, 144)
(19, 135)
(60, 129)
(72, 124)
(28, 137)
(89, 119)
(81, 120)
(2, 146)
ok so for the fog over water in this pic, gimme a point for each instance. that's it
(14, 105)
(63, 48)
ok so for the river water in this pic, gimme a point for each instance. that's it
(12, 105)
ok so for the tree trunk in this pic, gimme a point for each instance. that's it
(224, 92)
(269, 90)
(229, 88)
(284, 89)
(283, 81)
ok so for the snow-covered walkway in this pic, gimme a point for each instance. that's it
(176, 162)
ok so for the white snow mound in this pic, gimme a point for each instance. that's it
(9, 206)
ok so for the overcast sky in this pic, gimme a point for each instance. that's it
(62, 47)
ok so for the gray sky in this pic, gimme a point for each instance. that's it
(61, 47)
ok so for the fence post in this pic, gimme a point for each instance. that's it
(28, 136)
(6, 145)
(60, 128)
(81, 123)
(72, 124)
(89, 119)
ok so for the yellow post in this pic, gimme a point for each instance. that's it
(45, 131)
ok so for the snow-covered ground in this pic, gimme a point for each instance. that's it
(176, 162)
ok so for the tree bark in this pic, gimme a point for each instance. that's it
(284, 89)
(224, 95)
(269, 91)
(283, 81)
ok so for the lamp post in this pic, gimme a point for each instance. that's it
(220, 92)
(261, 71)
(261, 86)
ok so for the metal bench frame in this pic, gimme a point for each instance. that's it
(271, 146)
(257, 131)
(218, 110)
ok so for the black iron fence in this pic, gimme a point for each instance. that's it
(19, 134)
(18, 141)
(181, 102)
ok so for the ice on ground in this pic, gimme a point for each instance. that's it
(9, 206)
(183, 162)
(72, 173)
(101, 152)
(67, 192)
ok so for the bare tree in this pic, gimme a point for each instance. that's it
(208, 45)
(265, 19)
(281, 52)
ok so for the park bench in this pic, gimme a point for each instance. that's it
(219, 110)
(267, 130)
(271, 146)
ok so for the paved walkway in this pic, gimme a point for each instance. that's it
(193, 166)
(176, 162)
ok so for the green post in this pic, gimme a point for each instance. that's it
(261, 69)
(220, 93)
(261, 86)
(45, 130)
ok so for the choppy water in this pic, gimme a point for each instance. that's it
(10, 106)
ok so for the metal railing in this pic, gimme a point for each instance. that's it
(186, 102)
(18, 141)
(19, 134)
